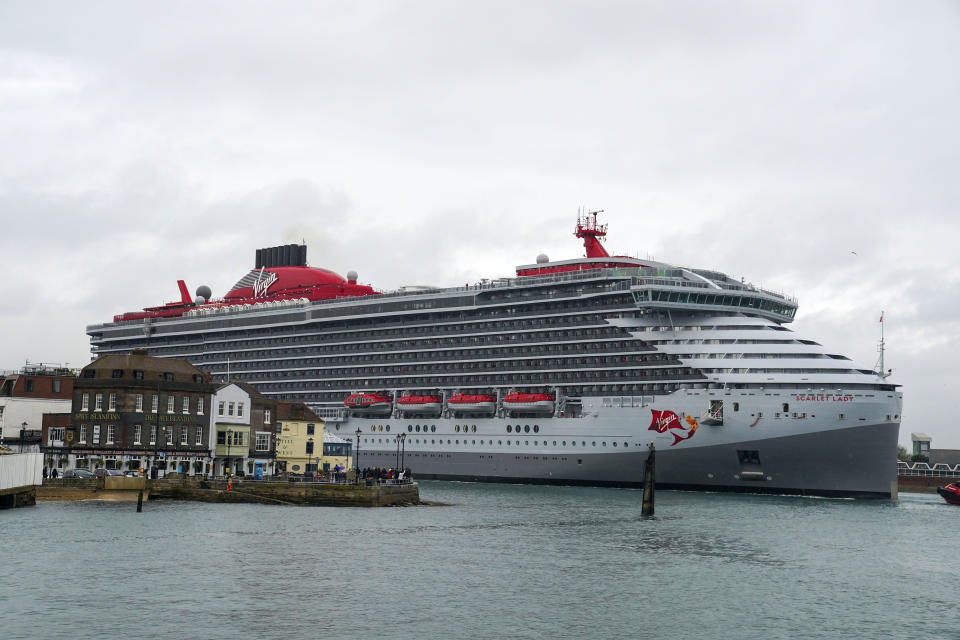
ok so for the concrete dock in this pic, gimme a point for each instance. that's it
(20, 474)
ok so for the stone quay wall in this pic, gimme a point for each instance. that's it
(922, 484)
(303, 494)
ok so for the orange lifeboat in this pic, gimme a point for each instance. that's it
(531, 402)
(368, 402)
(420, 404)
(465, 403)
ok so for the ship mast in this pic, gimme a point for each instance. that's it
(881, 372)
(590, 232)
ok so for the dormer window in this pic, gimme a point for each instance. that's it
(168, 376)
(117, 373)
(89, 373)
(137, 374)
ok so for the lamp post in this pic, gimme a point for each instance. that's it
(403, 449)
(308, 451)
(356, 463)
(23, 430)
(225, 467)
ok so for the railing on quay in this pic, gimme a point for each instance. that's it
(924, 469)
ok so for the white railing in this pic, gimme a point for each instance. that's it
(21, 470)
(939, 470)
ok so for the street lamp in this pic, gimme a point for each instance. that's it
(403, 449)
(23, 430)
(225, 467)
(356, 463)
(308, 451)
(397, 438)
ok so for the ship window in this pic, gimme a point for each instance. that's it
(373, 427)
(594, 443)
(526, 428)
(604, 444)
(786, 407)
(736, 406)
(388, 427)
(433, 427)
(456, 428)
(509, 428)
(410, 428)
(536, 428)
(473, 428)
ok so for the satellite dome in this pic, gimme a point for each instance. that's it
(203, 291)
(200, 300)
(351, 276)
(542, 258)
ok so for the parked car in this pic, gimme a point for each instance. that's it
(132, 473)
(78, 473)
(100, 473)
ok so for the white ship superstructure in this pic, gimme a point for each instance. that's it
(563, 374)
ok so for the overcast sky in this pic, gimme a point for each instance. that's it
(441, 142)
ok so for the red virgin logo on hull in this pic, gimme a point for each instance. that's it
(669, 422)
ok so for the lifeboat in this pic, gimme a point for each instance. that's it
(420, 404)
(368, 402)
(532, 402)
(950, 493)
(465, 403)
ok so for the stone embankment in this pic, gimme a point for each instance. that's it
(260, 492)
(922, 484)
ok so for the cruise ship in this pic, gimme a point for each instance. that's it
(563, 374)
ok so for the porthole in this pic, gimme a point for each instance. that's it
(458, 442)
(554, 443)
(509, 428)
(614, 444)
(526, 428)
(564, 443)
(410, 428)
(448, 442)
(594, 443)
(536, 428)
(388, 427)
(433, 427)
(456, 428)
(604, 444)
(500, 442)
(373, 427)
(475, 442)
(473, 428)
(418, 428)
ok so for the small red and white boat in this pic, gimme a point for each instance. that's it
(368, 402)
(420, 404)
(467, 403)
(536, 402)
(950, 493)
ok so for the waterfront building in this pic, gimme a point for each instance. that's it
(336, 451)
(244, 441)
(136, 411)
(26, 395)
(300, 434)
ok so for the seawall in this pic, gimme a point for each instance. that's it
(922, 484)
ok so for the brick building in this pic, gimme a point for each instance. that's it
(25, 396)
(137, 411)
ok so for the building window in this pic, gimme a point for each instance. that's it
(57, 433)
(186, 404)
(263, 441)
(220, 408)
(28, 385)
(266, 416)
(199, 405)
(221, 437)
(137, 431)
(56, 386)
(117, 373)
(83, 434)
(310, 429)
(96, 434)
(171, 401)
(153, 434)
(239, 409)
(169, 432)
(137, 374)
(110, 433)
(84, 402)
(230, 408)
(309, 448)
(139, 405)
(168, 376)
(199, 436)
(155, 403)
(183, 435)
(98, 403)
(112, 402)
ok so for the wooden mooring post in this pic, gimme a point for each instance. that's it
(649, 473)
(140, 501)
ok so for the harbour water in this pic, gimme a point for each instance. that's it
(502, 561)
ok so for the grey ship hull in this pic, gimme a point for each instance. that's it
(847, 463)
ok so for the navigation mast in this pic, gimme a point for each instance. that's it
(881, 373)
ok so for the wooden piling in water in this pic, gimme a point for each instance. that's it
(140, 501)
(649, 473)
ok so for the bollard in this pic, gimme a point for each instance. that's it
(140, 501)
(649, 470)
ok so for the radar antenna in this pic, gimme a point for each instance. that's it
(590, 232)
